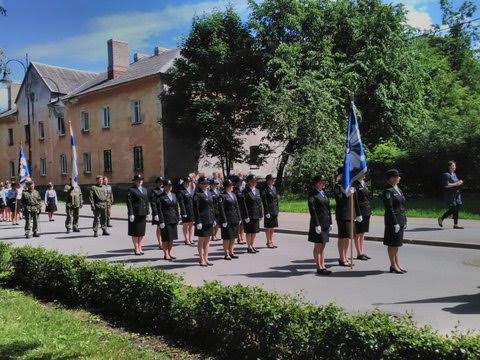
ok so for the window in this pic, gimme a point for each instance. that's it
(27, 133)
(137, 158)
(41, 130)
(85, 121)
(87, 163)
(254, 156)
(136, 112)
(107, 161)
(43, 167)
(63, 164)
(61, 125)
(10, 137)
(11, 169)
(105, 117)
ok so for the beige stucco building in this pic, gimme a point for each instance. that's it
(114, 116)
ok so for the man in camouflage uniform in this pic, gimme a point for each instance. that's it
(108, 188)
(32, 206)
(73, 204)
(98, 202)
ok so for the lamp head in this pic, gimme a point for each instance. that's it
(5, 79)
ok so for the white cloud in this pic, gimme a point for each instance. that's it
(418, 18)
(137, 28)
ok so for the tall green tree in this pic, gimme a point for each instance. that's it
(211, 86)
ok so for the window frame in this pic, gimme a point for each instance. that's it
(61, 120)
(63, 165)
(105, 115)
(135, 112)
(85, 120)
(11, 169)
(41, 130)
(87, 163)
(11, 139)
(137, 158)
(43, 167)
(110, 168)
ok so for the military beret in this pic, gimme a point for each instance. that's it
(251, 178)
(203, 180)
(227, 182)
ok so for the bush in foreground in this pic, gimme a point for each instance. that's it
(235, 322)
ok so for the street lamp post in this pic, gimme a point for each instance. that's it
(8, 82)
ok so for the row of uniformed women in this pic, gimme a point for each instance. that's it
(321, 220)
(204, 209)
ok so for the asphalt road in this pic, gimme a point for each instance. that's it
(441, 289)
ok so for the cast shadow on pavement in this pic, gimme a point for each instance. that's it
(468, 304)
(423, 229)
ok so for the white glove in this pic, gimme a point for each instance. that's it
(240, 222)
(405, 227)
(318, 229)
(199, 226)
(156, 218)
(149, 217)
(214, 223)
(162, 226)
(267, 216)
(359, 218)
(224, 225)
(184, 216)
(397, 228)
(131, 218)
(352, 190)
(247, 220)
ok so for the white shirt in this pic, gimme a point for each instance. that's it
(169, 194)
(140, 189)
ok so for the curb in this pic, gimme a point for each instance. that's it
(447, 244)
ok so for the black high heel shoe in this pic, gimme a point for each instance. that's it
(393, 270)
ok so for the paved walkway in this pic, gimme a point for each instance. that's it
(420, 231)
(441, 288)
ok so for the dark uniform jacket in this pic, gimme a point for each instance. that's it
(155, 200)
(215, 196)
(394, 203)
(362, 200)
(185, 200)
(137, 202)
(270, 200)
(229, 209)
(168, 209)
(252, 204)
(342, 203)
(31, 201)
(240, 199)
(203, 207)
(319, 208)
(98, 197)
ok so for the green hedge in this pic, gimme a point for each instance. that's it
(234, 322)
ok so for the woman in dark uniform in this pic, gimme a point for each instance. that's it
(395, 219)
(137, 205)
(364, 212)
(229, 213)
(252, 212)
(204, 219)
(320, 222)
(185, 201)
(168, 219)
(270, 206)
(238, 191)
(215, 192)
(155, 204)
(453, 195)
(342, 216)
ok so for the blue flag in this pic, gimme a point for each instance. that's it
(74, 158)
(354, 162)
(23, 170)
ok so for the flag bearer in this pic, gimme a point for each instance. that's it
(73, 204)
(110, 199)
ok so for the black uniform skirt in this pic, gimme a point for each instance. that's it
(11, 204)
(138, 226)
(391, 238)
(323, 237)
(189, 218)
(169, 232)
(51, 207)
(343, 229)
(253, 227)
(206, 231)
(364, 226)
(230, 232)
(271, 223)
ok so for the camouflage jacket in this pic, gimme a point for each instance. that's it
(31, 201)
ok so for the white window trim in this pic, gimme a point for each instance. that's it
(58, 127)
(63, 164)
(102, 117)
(133, 112)
(87, 160)
(82, 121)
(43, 167)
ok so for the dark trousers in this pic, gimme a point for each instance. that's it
(31, 218)
(72, 215)
(452, 210)
(99, 218)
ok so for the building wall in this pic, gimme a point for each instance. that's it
(121, 137)
(9, 152)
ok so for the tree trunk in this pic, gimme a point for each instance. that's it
(283, 163)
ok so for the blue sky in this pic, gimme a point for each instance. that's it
(74, 33)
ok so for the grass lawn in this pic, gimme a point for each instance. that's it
(30, 329)
(428, 208)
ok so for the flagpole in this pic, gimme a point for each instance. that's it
(351, 230)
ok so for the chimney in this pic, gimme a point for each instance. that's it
(138, 56)
(12, 90)
(117, 58)
(158, 50)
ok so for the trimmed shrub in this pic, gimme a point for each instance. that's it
(234, 322)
